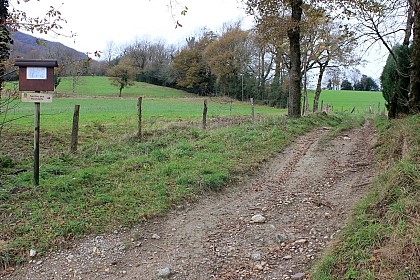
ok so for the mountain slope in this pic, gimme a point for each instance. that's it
(30, 47)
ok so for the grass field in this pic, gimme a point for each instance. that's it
(341, 100)
(346, 100)
(123, 112)
(101, 86)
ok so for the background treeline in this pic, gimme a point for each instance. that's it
(233, 62)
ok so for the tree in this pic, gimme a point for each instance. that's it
(192, 70)
(273, 13)
(346, 85)
(122, 75)
(326, 44)
(5, 40)
(387, 21)
(366, 84)
(414, 103)
(228, 56)
(390, 83)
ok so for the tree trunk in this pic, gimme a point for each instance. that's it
(319, 86)
(414, 103)
(410, 22)
(4, 49)
(293, 33)
(262, 69)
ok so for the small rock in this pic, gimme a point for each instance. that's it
(155, 236)
(258, 218)
(164, 272)
(301, 241)
(259, 267)
(288, 257)
(39, 262)
(256, 256)
(32, 253)
(298, 276)
(280, 238)
(327, 215)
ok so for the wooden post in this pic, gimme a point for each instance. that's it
(379, 108)
(252, 109)
(139, 114)
(37, 118)
(75, 130)
(205, 114)
(322, 106)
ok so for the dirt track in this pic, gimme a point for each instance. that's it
(304, 194)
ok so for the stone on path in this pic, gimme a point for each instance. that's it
(256, 256)
(298, 276)
(164, 273)
(258, 219)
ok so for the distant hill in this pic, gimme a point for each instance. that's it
(28, 47)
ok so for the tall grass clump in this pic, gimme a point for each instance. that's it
(382, 240)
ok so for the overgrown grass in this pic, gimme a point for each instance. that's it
(382, 240)
(118, 181)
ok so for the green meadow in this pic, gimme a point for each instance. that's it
(101, 86)
(346, 100)
(123, 112)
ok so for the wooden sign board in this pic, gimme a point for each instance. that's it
(36, 74)
(37, 97)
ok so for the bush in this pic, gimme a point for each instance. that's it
(390, 75)
(6, 162)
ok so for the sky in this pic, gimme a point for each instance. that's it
(98, 22)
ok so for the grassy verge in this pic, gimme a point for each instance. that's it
(382, 240)
(118, 181)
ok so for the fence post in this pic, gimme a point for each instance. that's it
(205, 114)
(139, 114)
(37, 117)
(322, 106)
(75, 130)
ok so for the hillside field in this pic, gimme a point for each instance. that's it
(92, 86)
